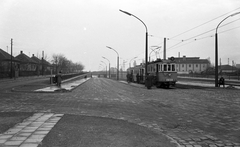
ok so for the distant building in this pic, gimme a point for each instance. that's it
(42, 63)
(227, 69)
(191, 64)
(238, 66)
(5, 65)
(27, 65)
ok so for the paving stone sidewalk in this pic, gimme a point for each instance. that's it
(31, 131)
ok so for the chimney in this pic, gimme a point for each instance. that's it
(21, 52)
(184, 58)
(33, 55)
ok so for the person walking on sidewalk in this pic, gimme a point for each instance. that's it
(59, 79)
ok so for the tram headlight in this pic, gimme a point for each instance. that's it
(169, 75)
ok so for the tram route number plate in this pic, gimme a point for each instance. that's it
(169, 79)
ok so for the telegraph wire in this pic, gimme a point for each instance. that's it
(210, 30)
(204, 23)
(197, 39)
(202, 33)
(229, 30)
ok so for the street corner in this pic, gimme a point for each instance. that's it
(81, 130)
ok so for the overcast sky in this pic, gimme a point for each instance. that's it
(81, 29)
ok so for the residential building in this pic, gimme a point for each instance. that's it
(27, 65)
(42, 63)
(5, 65)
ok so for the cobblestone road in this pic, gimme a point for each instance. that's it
(207, 117)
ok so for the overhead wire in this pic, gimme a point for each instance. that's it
(197, 39)
(203, 23)
(183, 40)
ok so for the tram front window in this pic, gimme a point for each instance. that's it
(173, 67)
(165, 67)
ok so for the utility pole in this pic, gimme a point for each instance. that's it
(11, 74)
(42, 62)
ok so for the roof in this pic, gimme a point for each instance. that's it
(190, 60)
(193, 61)
(39, 61)
(46, 63)
(227, 67)
(4, 56)
(36, 59)
(25, 59)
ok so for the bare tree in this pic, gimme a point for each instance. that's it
(58, 60)
(63, 64)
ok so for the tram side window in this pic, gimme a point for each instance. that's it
(173, 67)
(169, 67)
(165, 67)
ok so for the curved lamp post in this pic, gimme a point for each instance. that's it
(146, 47)
(109, 65)
(117, 61)
(216, 49)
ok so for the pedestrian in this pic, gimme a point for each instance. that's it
(221, 82)
(148, 81)
(131, 77)
(128, 77)
(59, 79)
(138, 78)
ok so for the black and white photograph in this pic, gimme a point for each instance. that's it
(119, 73)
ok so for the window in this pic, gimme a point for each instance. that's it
(173, 67)
(169, 67)
(189, 65)
(196, 65)
(165, 67)
(183, 65)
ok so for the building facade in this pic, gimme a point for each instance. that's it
(191, 64)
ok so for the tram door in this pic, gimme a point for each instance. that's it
(141, 74)
(157, 70)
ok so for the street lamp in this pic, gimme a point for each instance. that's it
(109, 65)
(117, 61)
(216, 49)
(146, 47)
(106, 67)
(131, 61)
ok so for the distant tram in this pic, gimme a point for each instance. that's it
(163, 71)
